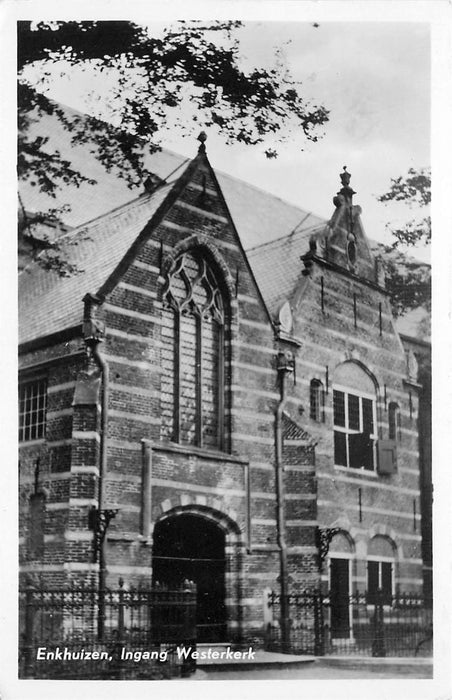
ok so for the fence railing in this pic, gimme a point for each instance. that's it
(144, 631)
(360, 624)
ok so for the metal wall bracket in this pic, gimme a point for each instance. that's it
(99, 520)
(324, 537)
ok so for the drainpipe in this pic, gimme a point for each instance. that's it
(285, 365)
(94, 335)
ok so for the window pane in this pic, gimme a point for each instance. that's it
(188, 378)
(353, 412)
(372, 579)
(167, 379)
(340, 450)
(386, 580)
(355, 446)
(32, 410)
(339, 408)
(368, 416)
(316, 400)
(210, 376)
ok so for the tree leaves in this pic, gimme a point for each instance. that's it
(192, 64)
(414, 190)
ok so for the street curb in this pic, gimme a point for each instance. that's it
(393, 663)
(251, 665)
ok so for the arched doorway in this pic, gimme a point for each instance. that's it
(340, 575)
(190, 547)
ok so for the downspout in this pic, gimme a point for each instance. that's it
(285, 365)
(94, 335)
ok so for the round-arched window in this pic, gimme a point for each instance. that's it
(355, 419)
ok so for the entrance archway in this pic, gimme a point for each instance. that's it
(190, 547)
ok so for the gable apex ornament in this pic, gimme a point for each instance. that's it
(345, 194)
(202, 138)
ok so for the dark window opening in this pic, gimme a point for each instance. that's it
(379, 579)
(354, 430)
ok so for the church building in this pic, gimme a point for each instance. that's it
(196, 406)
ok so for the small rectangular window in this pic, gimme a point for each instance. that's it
(32, 410)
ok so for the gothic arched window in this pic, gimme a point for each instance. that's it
(192, 360)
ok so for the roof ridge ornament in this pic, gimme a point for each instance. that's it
(346, 191)
(202, 138)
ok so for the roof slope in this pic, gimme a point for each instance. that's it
(277, 265)
(258, 216)
(274, 233)
(49, 303)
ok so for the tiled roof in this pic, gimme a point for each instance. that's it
(277, 265)
(274, 233)
(49, 303)
(258, 216)
(292, 431)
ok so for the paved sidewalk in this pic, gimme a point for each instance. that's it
(271, 665)
(322, 669)
(259, 658)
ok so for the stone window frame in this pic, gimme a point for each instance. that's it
(217, 307)
(33, 416)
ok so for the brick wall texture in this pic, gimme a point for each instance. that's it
(149, 480)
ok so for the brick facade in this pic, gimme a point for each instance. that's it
(337, 317)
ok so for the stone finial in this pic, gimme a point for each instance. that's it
(202, 138)
(346, 192)
(345, 177)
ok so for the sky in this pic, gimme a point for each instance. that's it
(373, 77)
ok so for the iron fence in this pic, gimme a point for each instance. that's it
(141, 633)
(360, 624)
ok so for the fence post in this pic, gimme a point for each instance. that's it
(267, 603)
(189, 627)
(120, 642)
(29, 627)
(319, 631)
(378, 645)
